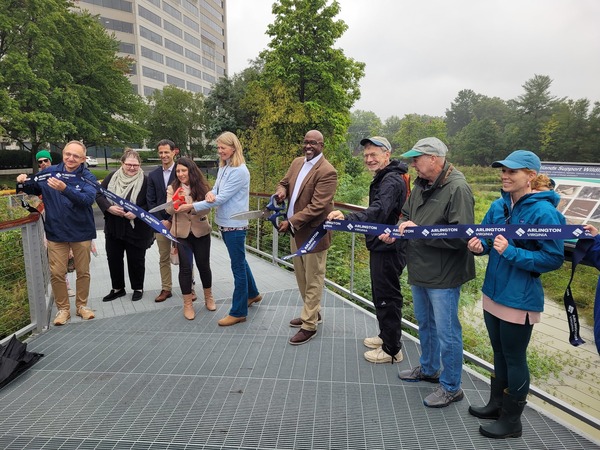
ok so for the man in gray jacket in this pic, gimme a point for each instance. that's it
(437, 268)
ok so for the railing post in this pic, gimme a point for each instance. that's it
(352, 263)
(34, 255)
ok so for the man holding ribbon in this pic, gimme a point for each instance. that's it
(386, 261)
(437, 268)
(309, 185)
(69, 225)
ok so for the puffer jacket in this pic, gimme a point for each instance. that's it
(387, 193)
(512, 279)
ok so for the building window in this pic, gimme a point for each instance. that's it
(148, 91)
(173, 46)
(206, 91)
(116, 25)
(220, 71)
(209, 48)
(126, 47)
(208, 63)
(193, 56)
(193, 72)
(173, 63)
(212, 10)
(192, 40)
(194, 87)
(191, 23)
(172, 11)
(150, 35)
(153, 73)
(155, 2)
(212, 24)
(149, 15)
(207, 77)
(180, 83)
(121, 5)
(172, 28)
(151, 54)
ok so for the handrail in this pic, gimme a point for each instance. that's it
(349, 291)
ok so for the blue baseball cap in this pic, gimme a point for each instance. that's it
(520, 159)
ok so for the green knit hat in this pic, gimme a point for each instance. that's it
(43, 154)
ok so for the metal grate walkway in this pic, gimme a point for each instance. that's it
(153, 380)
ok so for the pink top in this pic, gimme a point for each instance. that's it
(508, 314)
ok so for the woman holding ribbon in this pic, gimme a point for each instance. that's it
(192, 230)
(125, 233)
(230, 195)
(513, 298)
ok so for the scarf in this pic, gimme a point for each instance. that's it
(125, 186)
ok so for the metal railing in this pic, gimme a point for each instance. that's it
(34, 263)
(264, 228)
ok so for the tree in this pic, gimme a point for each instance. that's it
(61, 78)
(177, 115)
(479, 143)
(461, 111)
(301, 57)
(390, 128)
(362, 124)
(414, 127)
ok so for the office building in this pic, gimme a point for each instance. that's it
(173, 42)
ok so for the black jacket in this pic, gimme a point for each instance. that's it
(386, 198)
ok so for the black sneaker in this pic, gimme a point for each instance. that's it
(137, 295)
(113, 294)
(416, 374)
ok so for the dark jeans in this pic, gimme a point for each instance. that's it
(136, 263)
(386, 268)
(509, 342)
(191, 248)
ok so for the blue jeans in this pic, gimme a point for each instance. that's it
(243, 280)
(440, 333)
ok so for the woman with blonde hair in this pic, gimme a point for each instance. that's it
(230, 195)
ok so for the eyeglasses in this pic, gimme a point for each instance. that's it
(131, 166)
(73, 155)
(43, 161)
(311, 143)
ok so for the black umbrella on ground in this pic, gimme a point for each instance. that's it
(15, 359)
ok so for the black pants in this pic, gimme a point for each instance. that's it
(386, 268)
(509, 342)
(136, 263)
(191, 248)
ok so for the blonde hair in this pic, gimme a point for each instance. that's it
(81, 144)
(542, 182)
(231, 140)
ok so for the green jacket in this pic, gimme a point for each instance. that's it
(440, 263)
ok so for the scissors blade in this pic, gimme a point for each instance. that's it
(161, 207)
(259, 214)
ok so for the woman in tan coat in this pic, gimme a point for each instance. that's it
(192, 230)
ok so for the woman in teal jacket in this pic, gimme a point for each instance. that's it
(513, 298)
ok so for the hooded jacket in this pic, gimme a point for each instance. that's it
(387, 193)
(512, 279)
(440, 263)
(69, 216)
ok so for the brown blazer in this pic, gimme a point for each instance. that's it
(185, 223)
(315, 199)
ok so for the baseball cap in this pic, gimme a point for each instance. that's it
(377, 141)
(520, 159)
(427, 146)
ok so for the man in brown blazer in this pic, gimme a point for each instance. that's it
(309, 185)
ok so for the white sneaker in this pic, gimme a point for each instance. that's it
(378, 356)
(373, 342)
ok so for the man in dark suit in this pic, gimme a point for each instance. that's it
(309, 185)
(158, 180)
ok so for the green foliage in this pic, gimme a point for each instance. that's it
(177, 115)
(362, 124)
(13, 159)
(414, 127)
(61, 78)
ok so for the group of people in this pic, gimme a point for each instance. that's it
(437, 268)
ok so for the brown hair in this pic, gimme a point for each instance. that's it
(542, 182)
(198, 184)
(130, 153)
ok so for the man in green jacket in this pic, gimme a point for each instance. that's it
(437, 268)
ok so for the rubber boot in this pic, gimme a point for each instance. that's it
(188, 307)
(209, 301)
(509, 423)
(494, 406)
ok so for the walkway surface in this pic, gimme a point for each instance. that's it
(140, 376)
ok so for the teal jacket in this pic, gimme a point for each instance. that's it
(440, 263)
(512, 279)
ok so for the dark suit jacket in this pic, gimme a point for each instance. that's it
(157, 191)
(315, 199)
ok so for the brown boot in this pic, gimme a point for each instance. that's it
(209, 301)
(188, 307)
(194, 296)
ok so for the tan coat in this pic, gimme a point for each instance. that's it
(185, 223)
(315, 199)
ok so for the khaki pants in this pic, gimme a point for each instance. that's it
(164, 252)
(58, 257)
(310, 276)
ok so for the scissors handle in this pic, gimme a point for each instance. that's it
(274, 205)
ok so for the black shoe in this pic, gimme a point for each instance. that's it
(137, 295)
(114, 293)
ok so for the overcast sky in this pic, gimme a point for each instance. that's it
(420, 53)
